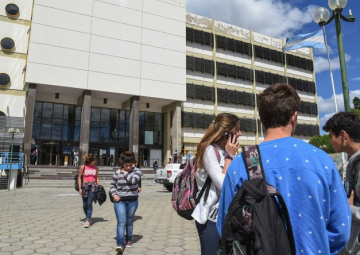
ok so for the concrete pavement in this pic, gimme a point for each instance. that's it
(50, 221)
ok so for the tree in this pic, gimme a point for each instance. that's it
(356, 111)
(356, 102)
(322, 142)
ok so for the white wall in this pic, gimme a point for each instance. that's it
(131, 47)
(13, 100)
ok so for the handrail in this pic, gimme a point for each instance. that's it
(17, 160)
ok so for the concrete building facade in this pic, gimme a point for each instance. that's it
(105, 76)
(227, 66)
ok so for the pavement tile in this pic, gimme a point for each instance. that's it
(157, 229)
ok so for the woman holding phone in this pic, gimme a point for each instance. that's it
(215, 152)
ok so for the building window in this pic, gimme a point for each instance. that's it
(150, 128)
(109, 125)
(12, 11)
(57, 122)
(4, 80)
(7, 45)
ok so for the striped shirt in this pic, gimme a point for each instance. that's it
(125, 185)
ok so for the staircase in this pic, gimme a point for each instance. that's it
(63, 177)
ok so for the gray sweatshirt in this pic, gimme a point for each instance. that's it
(125, 185)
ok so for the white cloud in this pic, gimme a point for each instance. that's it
(323, 121)
(271, 17)
(356, 79)
(321, 64)
(327, 105)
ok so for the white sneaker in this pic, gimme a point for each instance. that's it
(87, 224)
(119, 249)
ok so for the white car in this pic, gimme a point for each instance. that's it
(167, 175)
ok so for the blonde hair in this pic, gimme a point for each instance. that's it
(223, 122)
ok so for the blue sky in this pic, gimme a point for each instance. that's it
(285, 18)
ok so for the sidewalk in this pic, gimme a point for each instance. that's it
(50, 221)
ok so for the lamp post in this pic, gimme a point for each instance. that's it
(322, 17)
(12, 131)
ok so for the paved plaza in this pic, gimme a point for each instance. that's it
(50, 221)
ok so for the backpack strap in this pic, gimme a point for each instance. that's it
(253, 163)
(207, 184)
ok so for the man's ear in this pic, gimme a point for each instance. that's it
(293, 118)
(344, 135)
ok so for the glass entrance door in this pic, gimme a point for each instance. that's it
(52, 153)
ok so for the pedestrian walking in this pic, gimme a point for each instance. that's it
(76, 158)
(306, 177)
(215, 152)
(344, 131)
(124, 188)
(188, 157)
(88, 184)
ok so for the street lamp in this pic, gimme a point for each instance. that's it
(322, 17)
(12, 131)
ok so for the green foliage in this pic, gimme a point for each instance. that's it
(356, 111)
(322, 142)
(356, 102)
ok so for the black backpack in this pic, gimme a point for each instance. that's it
(257, 221)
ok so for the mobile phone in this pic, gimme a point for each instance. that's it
(229, 134)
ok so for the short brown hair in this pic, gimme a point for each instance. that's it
(88, 158)
(277, 104)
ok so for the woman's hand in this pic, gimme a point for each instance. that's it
(139, 189)
(116, 198)
(80, 192)
(232, 145)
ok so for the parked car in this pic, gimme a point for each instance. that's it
(167, 175)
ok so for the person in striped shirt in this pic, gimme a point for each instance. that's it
(124, 189)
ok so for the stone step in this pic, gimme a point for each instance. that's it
(41, 183)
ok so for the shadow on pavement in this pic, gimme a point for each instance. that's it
(137, 218)
(163, 191)
(95, 220)
(134, 238)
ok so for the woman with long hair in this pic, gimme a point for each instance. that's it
(124, 188)
(90, 180)
(215, 152)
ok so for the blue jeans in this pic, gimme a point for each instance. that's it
(125, 211)
(209, 237)
(87, 203)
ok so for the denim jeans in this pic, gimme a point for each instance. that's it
(125, 211)
(209, 237)
(87, 203)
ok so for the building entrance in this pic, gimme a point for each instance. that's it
(50, 153)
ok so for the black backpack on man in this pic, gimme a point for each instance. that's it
(257, 221)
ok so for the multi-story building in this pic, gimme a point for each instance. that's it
(227, 66)
(105, 76)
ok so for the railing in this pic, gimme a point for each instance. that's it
(17, 160)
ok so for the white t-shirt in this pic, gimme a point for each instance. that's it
(208, 210)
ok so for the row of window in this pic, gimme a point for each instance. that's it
(207, 93)
(233, 45)
(199, 64)
(199, 36)
(236, 72)
(200, 120)
(235, 97)
(298, 84)
(230, 44)
(243, 73)
(299, 62)
(269, 54)
(200, 92)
